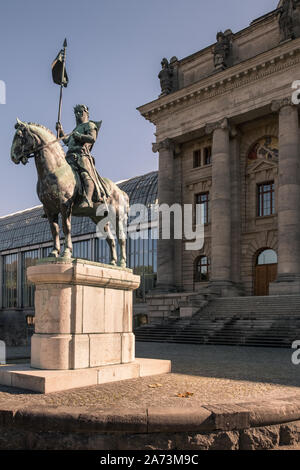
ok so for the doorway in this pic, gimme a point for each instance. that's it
(265, 271)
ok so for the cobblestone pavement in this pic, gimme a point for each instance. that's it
(213, 374)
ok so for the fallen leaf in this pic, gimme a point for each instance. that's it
(185, 395)
(155, 385)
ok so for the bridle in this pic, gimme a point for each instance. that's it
(33, 153)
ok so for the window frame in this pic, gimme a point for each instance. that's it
(197, 158)
(207, 155)
(198, 273)
(260, 202)
(206, 212)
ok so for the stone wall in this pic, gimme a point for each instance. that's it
(163, 306)
(250, 233)
(244, 426)
(258, 233)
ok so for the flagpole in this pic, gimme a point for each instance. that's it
(61, 86)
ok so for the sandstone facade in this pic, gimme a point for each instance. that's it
(244, 116)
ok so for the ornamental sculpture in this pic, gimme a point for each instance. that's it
(168, 76)
(222, 50)
(289, 20)
(69, 184)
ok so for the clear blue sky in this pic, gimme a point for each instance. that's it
(114, 54)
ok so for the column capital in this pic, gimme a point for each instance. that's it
(277, 105)
(222, 124)
(166, 144)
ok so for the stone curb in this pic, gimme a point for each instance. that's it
(204, 419)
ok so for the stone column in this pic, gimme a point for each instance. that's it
(235, 206)
(178, 199)
(220, 206)
(288, 280)
(165, 248)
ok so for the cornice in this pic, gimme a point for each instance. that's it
(239, 75)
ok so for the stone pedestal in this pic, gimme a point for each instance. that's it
(83, 328)
(83, 315)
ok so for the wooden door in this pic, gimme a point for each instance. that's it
(264, 274)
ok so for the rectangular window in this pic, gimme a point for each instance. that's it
(202, 208)
(207, 155)
(82, 249)
(29, 258)
(10, 274)
(266, 199)
(197, 158)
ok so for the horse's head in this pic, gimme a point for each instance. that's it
(24, 143)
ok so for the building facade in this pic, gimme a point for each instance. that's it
(25, 237)
(227, 127)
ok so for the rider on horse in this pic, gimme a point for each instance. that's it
(80, 143)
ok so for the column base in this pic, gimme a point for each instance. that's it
(286, 284)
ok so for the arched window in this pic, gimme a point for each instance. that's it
(267, 257)
(202, 269)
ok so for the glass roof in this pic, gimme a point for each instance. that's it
(28, 228)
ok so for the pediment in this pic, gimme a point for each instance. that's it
(262, 165)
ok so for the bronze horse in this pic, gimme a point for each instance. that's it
(59, 190)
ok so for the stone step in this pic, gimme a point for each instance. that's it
(251, 321)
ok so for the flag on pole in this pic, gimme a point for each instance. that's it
(59, 73)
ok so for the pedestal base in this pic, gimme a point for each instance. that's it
(47, 381)
(83, 314)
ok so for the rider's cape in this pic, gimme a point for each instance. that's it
(100, 185)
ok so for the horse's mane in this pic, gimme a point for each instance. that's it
(42, 127)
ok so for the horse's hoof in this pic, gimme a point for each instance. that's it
(67, 254)
(123, 264)
(113, 263)
(53, 254)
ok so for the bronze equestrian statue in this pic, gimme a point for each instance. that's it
(69, 184)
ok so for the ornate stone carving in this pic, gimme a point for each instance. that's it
(289, 19)
(211, 127)
(278, 104)
(168, 76)
(166, 144)
(222, 50)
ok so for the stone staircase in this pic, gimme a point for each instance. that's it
(240, 321)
